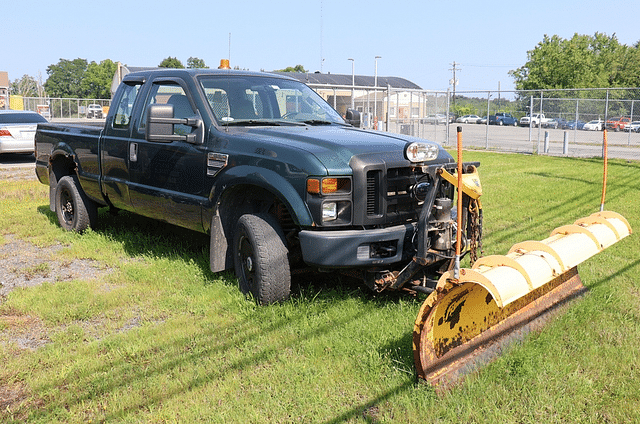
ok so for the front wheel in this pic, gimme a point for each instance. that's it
(261, 259)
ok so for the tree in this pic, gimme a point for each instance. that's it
(195, 62)
(65, 78)
(171, 62)
(27, 86)
(297, 68)
(96, 82)
(583, 61)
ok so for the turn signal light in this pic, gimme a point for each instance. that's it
(313, 186)
(329, 186)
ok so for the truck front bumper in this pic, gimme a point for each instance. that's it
(355, 248)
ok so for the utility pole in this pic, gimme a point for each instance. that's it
(454, 81)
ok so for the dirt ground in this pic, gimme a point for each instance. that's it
(24, 265)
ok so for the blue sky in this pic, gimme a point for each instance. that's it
(417, 40)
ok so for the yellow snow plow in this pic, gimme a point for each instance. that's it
(464, 321)
(472, 312)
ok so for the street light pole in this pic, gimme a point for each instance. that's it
(375, 83)
(353, 81)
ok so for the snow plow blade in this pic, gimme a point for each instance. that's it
(466, 321)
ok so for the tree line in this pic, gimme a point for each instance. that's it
(583, 61)
(81, 79)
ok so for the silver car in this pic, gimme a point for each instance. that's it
(17, 130)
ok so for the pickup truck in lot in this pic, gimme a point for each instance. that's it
(274, 175)
(534, 120)
(502, 118)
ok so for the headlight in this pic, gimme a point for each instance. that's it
(329, 211)
(421, 152)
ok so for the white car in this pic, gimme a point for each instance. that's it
(633, 127)
(94, 111)
(595, 125)
(17, 130)
(468, 119)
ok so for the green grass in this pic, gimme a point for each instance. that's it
(161, 339)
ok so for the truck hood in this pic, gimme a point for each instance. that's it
(335, 145)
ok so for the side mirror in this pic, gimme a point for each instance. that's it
(158, 129)
(160, 126)
(353, 117)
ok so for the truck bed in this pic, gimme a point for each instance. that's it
(72, 140)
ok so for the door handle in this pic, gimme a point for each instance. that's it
(133, 152)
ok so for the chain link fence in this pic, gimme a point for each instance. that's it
(63, 108)
(572, 124)
(565, 122)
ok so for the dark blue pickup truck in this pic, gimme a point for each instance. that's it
(276, 177)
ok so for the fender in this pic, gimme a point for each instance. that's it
(267, 179)
(220, 252)
(71, 165)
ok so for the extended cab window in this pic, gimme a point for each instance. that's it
(259, 100)
(125, 106)
(170, 93)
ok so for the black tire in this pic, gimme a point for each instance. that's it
(75, 211)
(261, 259)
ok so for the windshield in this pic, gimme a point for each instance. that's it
(259, 100)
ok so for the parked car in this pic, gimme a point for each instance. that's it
(468, 119)
(561, 122)
(437, 119)
(617, 124)
(94, 111)
(17, 130)
(633, 127)
(482, 120)
(502, 118)
(595, 125)
(550, 123)
(573, 124)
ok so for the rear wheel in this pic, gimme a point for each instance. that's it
(261, 259)
(75, 211)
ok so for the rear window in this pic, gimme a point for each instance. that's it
(21, 118)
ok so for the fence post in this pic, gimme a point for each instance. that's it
(565, 144)
(388, 107)
(546, 141)
(486, 132)
(539, 122)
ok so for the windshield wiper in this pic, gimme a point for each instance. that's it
(252, 123)
(317, 122)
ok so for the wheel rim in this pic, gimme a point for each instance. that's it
(246, 256)
(66, 205)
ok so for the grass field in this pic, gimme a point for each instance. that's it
(158, 338)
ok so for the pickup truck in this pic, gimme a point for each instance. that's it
(502, 118)
(274, 175)
(534, 120)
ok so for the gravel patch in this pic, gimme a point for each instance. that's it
(25, 265)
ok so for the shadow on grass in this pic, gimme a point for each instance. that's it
(140, 236)
(231, 347)
(581, 202)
